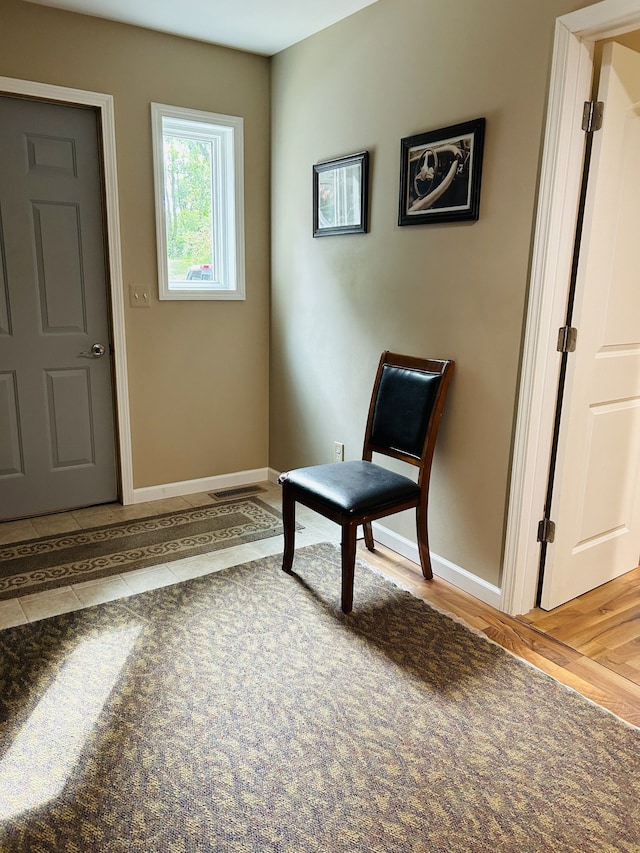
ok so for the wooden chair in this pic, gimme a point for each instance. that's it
(404, 415)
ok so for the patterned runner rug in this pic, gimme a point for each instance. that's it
(67, 558)
(242, 712)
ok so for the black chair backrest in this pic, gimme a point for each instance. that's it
(407, 396)
(402, 409)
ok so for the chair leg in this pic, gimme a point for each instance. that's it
(423, 542)
(368, 536)
(289, 525)
(348, 565)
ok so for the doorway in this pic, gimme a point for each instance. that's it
(560, 181)
(104, 107)
(595, 486)
(605, 622)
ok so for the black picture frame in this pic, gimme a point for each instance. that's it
(341, 195)
(441, 174)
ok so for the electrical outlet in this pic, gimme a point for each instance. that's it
(139, 296)
(338, 451)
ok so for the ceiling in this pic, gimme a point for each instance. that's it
(258, 26)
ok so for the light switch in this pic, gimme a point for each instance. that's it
(139, 296)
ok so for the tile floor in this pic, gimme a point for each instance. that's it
(41, 605)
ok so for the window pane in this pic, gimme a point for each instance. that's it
(188, 166)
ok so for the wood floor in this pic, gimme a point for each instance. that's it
(583, 670)
(603, 625)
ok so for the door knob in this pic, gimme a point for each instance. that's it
(96, 351)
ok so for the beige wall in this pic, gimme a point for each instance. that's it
(458, 291)
(198, 372)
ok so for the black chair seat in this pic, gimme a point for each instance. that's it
(353, 488)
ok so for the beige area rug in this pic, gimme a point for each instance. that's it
(244, 712)
(67, 558)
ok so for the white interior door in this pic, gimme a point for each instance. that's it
(57, 435)
(596, 494)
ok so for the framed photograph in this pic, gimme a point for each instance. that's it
(341, 195)
(440, 174)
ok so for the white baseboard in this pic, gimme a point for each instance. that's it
(448, 571)
(205, 484)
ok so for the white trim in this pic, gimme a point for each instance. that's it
(445, 569)
(104, 103)
(570, 86)
(204, 484)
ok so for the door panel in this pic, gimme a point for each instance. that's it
(70, 422)
(607, 500)
(51, 153)
(57, 444)
(5, 328)
(596, 495)
(11, 462)
(61, 288)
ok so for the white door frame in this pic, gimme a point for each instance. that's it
(570, 86)
(104, 103)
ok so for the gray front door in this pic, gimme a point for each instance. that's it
(57, 435)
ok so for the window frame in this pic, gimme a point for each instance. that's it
(226, 133)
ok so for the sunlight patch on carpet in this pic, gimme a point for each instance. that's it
(44, 754)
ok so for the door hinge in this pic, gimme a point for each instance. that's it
(546, 530)
(567, 337)
(592, 116)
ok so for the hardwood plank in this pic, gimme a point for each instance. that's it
(611, 631)
(617, 693)
(625, 660)
(600, 627)
(552, 620)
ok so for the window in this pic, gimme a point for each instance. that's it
(198, 171)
